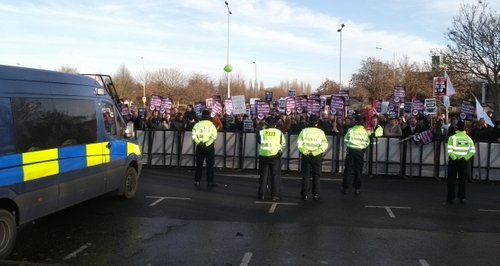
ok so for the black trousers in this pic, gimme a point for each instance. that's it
(270, 167)
(353, 168)
(310, 167)
(460, 169)
(205, 154)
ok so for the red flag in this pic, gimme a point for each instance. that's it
(369, 113)
(368, 118)
(374, 104)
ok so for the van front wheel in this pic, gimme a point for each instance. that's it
(8, 232)
(130, 182)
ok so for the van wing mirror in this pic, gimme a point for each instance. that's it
(129, 131)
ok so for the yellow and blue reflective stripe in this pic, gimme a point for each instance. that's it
(133, 148)
(28, 166)
(96, 154)
(38, 164)
(10, 172)
(118, 150)
(71, 158)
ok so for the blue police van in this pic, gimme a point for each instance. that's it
(63, 140)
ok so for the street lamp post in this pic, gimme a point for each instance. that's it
(256, 84)
(340, 57)
(144, 84)
(228, 67)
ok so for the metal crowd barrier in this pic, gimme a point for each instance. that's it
(385, 156)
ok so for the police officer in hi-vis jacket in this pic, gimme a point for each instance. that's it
(312, 144)
(460, 150)
(356, 141)
(272, 142)
(204, 136)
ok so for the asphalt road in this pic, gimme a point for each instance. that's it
(170, 222)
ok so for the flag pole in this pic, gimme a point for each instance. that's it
(446, 109)
(446, 115)
(442, 98)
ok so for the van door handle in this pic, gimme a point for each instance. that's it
(108, 145)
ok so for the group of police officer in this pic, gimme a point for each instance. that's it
(312, 145)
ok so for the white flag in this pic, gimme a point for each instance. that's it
(482, 114)
(450, 90)
(446, 101)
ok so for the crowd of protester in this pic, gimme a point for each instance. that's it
(402, 127)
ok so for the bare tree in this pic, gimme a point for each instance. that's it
(126, 86)
(199, 87)
(260, 88)
(328, 87)
(237, 87)
(308, 88)
(375, 77)
(68, 69)
(475, 46)
(300, 88)
(166, 82)
(417, 79)
(277, 92)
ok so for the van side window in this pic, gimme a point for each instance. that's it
(7, 133)
(113, 122)
(51, 123)
(108, 117)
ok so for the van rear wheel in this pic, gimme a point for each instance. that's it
(8, 231)
(130, 183)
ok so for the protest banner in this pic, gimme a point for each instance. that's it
(301, 104)
(399, 94)
(314, 105)
(228, 106)
(262, 109)
(337, 105)
(417, 107)
(239, 106)
(467, 110)
(290, 105)
(155, 102)
(439, 85)
(430, 106)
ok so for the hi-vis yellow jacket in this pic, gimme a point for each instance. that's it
(272, 141)
(312, 141)
(377, 132)
(461, 146)
(357, 138)
(204, 132)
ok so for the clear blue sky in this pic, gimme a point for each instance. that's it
(289, 40)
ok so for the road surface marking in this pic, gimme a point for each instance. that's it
(159, 199)
(423, 262)
(273, 207)
(388, 209)
(484, 210)
(246, 259)
(275, 204)
(74, 253)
